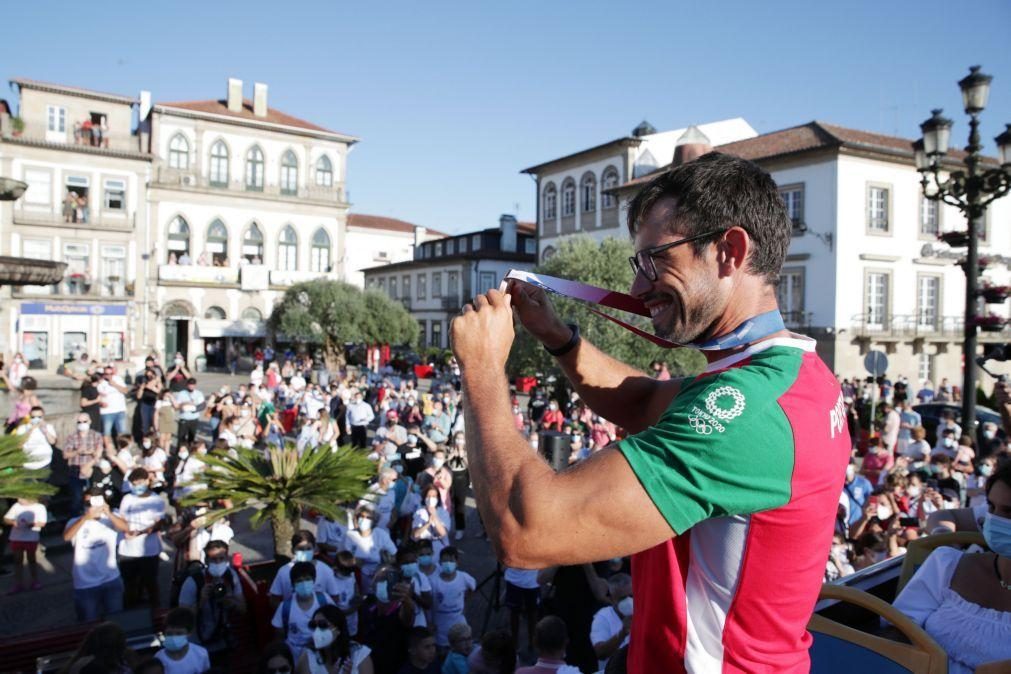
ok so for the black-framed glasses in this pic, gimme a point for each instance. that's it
(643, 260)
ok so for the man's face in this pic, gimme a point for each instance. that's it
(424, 651)
(83, 421)
(686, 297)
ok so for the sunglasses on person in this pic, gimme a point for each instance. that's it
(643, 260)
(319, 625)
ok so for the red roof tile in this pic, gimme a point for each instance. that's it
(77, 91)
(274, 116)
(527, 227)
(389, 224)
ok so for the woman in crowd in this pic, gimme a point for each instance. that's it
(147, 395)
(153, 459)
(103, 650)
(24, 400)
(963, 599)
(369, 545)
(456, 462)
(165, 420)
(431, 521)
(277, 659)
(17, 371)
(332, 651)
(91, 404)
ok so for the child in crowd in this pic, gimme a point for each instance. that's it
(26, 519)
(449, 590)
(461, 643)
(178, 655)
(293, 615)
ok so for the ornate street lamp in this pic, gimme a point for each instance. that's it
(971, 191)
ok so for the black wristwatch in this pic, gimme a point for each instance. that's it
(569, 345)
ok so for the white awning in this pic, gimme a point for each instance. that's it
(211, 327)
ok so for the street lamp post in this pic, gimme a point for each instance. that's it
(971, 191)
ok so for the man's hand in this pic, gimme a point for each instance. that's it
(483, 334)
(537, 313)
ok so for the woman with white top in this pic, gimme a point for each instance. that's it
(431, 521)
(331, 650)
(963, 599)
(370, 545)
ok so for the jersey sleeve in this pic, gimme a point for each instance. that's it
(723, 447)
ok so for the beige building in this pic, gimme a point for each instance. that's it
(87, 171)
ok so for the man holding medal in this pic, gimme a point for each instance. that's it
(726, 491)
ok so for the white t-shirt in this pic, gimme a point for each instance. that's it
(331, 533)
(94, 553)
(221, 530)
(421, 518)
(299, 635)
(325, 581)
(367, 549)
(194, 662)
(155, 463)
(187, 474)
(917, 450)
(28, 521)
(346, 591)
(114, 399)
(140, 512)
(447, 602)
(37, 447)
(606, 623)
(524, 578)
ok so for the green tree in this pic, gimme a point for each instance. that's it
(334, 313)
(604, 265)
(16, 481)
(278, 486)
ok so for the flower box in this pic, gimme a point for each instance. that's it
(990, 323)
(992, 294)
(954, 239)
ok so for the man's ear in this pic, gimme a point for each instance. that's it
(732, 250)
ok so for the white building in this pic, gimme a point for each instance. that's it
(374, 240)
(446, 273)
(856, 277)
(574, 190)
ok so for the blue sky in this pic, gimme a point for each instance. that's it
(453, 99)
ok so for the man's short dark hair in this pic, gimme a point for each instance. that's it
(215, 544)
(550, 635)
(417, 635)
(180, 617)
(716, 192)
(303, 536)
(191, 380)
(137, 474)
(449, 551)
(303, 570)
(37, 408)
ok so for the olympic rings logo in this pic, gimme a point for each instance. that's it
(700, 425)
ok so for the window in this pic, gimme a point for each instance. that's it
(56, 119)
(393, 287)
(475, 243)
(437, 334)
(876, 299)
(78, 274)
(423, 334)
(115, 195)
(406, 287)
(252, 314)
(219, 164)
(790, 293)
(320, 251)
(588, 191)
(215, 313)
(289, 173)
(930, 217)
(74, 344)
(287, 250)
(252, 244)
(924, 366)
(422, 286)
(877, 209)
(609, 181)
(178, 237)
(438, 249)
(486, 281)
(530, 246)
(793, 199)
(113, 271)
(179, 152)
(452, 283)
(324, 172)
(437, 284)
(40, 187)
(38, 249)
(568, 198)
(928, 298)
(254, 169)
(217, 243)
(111, 347)
(35, 347)
(550, 202)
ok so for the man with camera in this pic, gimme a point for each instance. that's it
(214, 592)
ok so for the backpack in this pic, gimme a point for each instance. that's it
(321, 599)
(194, 570)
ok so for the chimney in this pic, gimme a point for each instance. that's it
(507, 223)
(691, 145)
(260, 99)
(419, 236)
(234, 95)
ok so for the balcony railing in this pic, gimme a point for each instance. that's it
(290, 278)
(165, 176)
(75, 286)
(910, 326)
(450, 302)
(109, 142)
(111, 220)
(198, 274)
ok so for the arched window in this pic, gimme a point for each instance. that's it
(215, 313)
(609, 181)
(217, 243)
(324, 172)
(289, 173)
(219, 164)
(320, 260)
(254, 169)
(287, 250)
(179, 152)
(550, 202)
(178, 238)
(568, 198)
(252, 314)
(252, 244)
(548, 253)
(588, 190)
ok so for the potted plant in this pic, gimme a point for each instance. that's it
(990, 323)
(995, 294)
(17, 126)
(954, 239)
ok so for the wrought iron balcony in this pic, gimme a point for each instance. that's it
(166, 176)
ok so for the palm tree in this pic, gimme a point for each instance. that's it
(16, 481)
(280, 484)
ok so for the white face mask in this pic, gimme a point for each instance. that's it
(83, 426)
(884, 512)
(97, 501)
(245, 412)
(147, 444)
(438, 463)
(851, 472)
(913, 490)
(431, 502)
(625, 606)
(321, 638)
(105, 466)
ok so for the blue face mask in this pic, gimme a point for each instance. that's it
(303, 555)
(175, 642)
(139, 489)
(425, 560)
(448, 567)
(409, 570)
(383, 591)
(303, 588)
(997, 532)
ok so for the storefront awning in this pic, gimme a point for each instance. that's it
(209, 327)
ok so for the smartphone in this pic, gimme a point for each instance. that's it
(909, 522)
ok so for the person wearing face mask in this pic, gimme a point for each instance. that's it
(98, 586)
(391, 618)
(348, 596)
(456, 461)
(431, 521)
(878, 461)
(370, 546)
(245, 427)
(81, 449)
(214, 593)
(357, 418)
(332, 651)
(611, 624)
(144, 513)
(178, 654)
(153, 459)
(449, 590)
(190, 403)
(553, 418)
(438, 424)
(303, 547)
(293, 615)
(420, 584)
(41, 437)
(383, 496)
(963, 599)
(857, 489)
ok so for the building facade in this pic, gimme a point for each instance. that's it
(446, 273)
(87, 171)
(374, 240)
(576, 192)
(861, 273)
